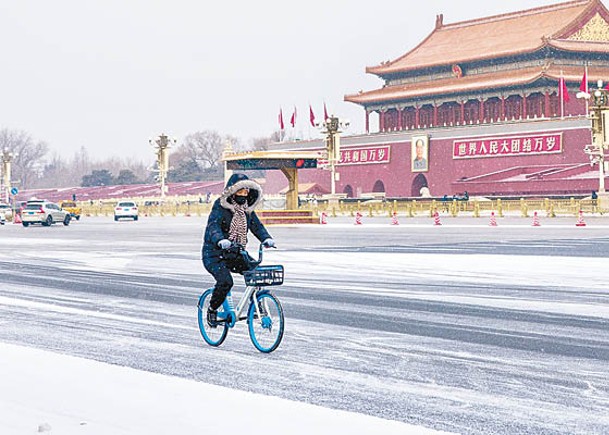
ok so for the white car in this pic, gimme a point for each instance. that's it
(5, 213)
(43, 212)
(126, 209)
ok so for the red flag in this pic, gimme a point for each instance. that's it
(325, 112)
(562, 90)
(311, 116)
(584, 84)
(293, 118)
(281, 126)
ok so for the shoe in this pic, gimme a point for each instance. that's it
(212, 317)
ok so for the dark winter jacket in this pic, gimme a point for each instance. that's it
(218, 222)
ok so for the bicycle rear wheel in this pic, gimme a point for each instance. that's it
(266, 330)
(213, 335)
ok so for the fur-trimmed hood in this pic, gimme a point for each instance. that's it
(237, 182)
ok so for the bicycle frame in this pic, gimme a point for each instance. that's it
(236, 313)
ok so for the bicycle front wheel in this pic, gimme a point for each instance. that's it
(213, 335)
(265, 323)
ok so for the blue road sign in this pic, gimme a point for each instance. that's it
(14, 191)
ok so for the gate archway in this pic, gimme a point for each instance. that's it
(379, 186)
(418, 183)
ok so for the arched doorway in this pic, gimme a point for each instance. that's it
(378, 186)
(348, 190)
(417, 184)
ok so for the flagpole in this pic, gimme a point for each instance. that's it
(587, 91)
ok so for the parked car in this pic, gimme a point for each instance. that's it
(43, 212)
(126, 209)
(72, 208)
(6, 212)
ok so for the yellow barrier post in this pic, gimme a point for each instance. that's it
(476, 209)
(499, 208)
(524, 210)
(454, 208)
(551, 210)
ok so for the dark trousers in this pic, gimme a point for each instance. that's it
(224, 280)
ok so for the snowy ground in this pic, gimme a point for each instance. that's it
(462, 328)
(44, 392)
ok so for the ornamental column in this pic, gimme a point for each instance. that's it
(367, 122)
(524, 106)
(481, 117)
(399, 118)
(462, 112)
(503, 107)
(381, 121)
(417, 117)
(548, 111)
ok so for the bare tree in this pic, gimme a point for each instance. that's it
(203, 147)
(28, 162)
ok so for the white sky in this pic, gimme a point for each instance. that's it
(108, 75)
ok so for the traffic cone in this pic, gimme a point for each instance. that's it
(536, 220)
(358, 218)
(394, 218)
(323, 218)
(436, 218)
(493, 222)
(580, 220)
(17, 219)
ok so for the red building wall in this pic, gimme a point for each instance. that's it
(566, 171)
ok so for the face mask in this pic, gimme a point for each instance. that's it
(240, 199)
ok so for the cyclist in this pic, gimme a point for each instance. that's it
(232, 215)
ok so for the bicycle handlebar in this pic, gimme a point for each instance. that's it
(242, 248)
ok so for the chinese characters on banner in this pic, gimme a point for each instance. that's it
(507, 146)
(360, 156)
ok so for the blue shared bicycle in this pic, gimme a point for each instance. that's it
(258, 306)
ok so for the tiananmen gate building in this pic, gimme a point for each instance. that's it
(477, 106)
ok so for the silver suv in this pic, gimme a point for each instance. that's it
(43, 212)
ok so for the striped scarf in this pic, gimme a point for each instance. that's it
(238, 226)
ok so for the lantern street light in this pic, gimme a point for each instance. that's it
(332, 127)
(162, 144)
(600, 130)
(7, 158)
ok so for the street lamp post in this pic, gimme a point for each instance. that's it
(162, 144)
(600, 131)
(7, 158)
(332, 128)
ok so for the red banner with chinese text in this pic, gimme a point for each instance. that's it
(361, 156)
(522, 145)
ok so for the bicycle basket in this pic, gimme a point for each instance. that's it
(264, 275)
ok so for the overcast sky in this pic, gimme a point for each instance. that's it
(107, 75)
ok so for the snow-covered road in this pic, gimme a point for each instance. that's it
(470, 330)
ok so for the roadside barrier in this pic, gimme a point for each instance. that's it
(493, 221)
(536, 222)
(580, 220)
(436, 219)
(394, 218)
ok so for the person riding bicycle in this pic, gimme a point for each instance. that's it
(232, 215)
